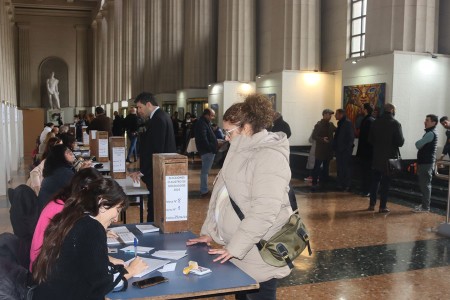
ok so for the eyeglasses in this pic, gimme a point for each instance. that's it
(228, 132)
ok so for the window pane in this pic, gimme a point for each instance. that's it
(356, 27)
(364, 25)
(356, 44)
(364, 7)
(363, 43)
(356, 9)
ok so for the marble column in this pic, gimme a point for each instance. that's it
(127, 39)
(153, 39)
(81, 95)
(172, 46)
(118, 50)
(200, 43)
(24, 65)
(12, 58)
(236, 41)
(3, 60)
(104, 60)
(110, 65)
(95, 69)
(403, 25)
(138, 61)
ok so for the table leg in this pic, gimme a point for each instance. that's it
(141, 209)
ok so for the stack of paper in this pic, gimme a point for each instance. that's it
(170, 254)
(153, 264)
(147, 228)
(140, 249)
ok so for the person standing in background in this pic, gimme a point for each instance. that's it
(157, 138)
(426, 157)
(365, 150)
(132, 125)
(343, 147)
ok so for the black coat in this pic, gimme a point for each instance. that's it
(131, 124)
(281, 125)
(365, 149)
(344, 136)
(157, 138)
(386, 136)
(118, 126)
(100, 123)
(205, 139)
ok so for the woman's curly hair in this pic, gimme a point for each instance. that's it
(256, 110)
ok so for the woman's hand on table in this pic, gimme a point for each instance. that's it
(111, 234)
(223, 253)
(201, 239)
(135, 176)
(135, 267)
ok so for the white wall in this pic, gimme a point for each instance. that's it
(184, 95)
(3, 150)
(301, 97)
(416, 83)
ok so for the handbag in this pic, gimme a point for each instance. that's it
(395, 164)
(285, 245)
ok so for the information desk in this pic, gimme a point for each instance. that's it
(224, 278)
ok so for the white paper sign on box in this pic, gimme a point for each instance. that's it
(176, 198)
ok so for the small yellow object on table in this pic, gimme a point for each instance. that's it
(192, 265)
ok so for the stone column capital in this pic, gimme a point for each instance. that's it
(80, 27)
(23, 25)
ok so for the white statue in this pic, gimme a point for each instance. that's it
(52, 89)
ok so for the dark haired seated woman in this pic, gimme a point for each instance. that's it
(79, 182)
(73, 262)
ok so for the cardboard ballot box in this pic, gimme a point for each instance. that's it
(118, 155)
(170, 188)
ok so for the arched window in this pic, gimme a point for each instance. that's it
(357, 27)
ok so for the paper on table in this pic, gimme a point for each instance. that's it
(168, 268)
(170, 254)
(140, 249)
(153, 264)
(119, 229)
(147, 228)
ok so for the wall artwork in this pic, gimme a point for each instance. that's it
(355, 96)
(273, 99)
(55, 116)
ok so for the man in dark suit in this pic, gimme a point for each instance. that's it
(365, 149)
(157, 138)
(386, 136)
(343, 148)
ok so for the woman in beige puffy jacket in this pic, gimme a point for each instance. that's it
(256, 176)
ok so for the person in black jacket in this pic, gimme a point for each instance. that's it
(343, 148)
(386, 136)
(207, 146)
(157, 138)
(365, 149)
(280, 125)
(118, 125)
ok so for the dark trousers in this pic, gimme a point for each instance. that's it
(380, 181)
(344, 168)
(366, 175)
(317, 173)
(267, 291)
(150, 208)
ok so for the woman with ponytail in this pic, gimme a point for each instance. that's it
(73, 261)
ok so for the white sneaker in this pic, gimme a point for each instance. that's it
(420, 209)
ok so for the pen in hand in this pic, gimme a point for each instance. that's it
(135, 247)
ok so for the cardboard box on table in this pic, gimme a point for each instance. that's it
(98, 143)
(117, 154)
(170, 192)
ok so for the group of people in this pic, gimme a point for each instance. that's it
(379, 141)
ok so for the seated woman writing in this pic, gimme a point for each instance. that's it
(73, 262)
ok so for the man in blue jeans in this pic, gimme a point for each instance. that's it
(426, 156)
(131, 124)
(206, 143)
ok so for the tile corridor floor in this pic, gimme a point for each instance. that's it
(356, 254)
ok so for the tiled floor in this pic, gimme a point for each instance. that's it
(356, 254)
